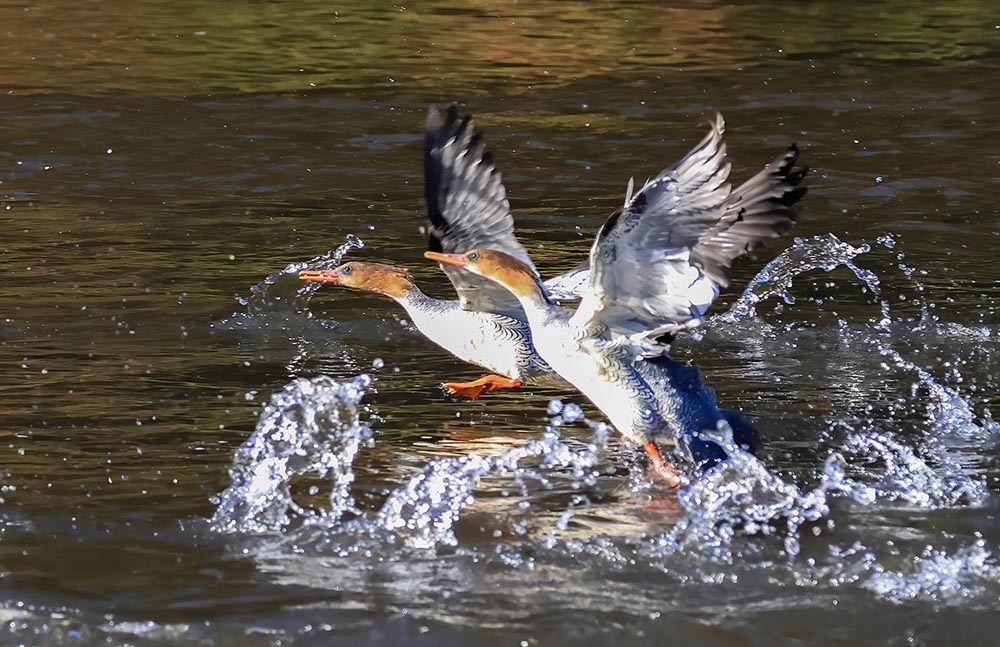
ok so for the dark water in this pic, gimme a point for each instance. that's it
(159, 159)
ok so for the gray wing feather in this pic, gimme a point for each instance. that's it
(570, 285)
(467, 208)
(658, 263)
(760, 210)
(640, 261)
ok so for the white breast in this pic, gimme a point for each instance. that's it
(587, 371)
(470, 336)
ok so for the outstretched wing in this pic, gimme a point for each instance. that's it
(467, 207)
(760, 210)
(658, 263)
(570, 285)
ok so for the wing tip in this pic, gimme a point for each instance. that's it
(440, 129)
(435, 121)
(718, 124)
(790, 177)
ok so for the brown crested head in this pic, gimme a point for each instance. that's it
(512, 273)
(375, 277)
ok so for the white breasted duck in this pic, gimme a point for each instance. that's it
(655, 266)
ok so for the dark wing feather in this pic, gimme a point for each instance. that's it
(467, 207)
(760, 210)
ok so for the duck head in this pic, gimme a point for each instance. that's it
(502, 268)
(373, 277)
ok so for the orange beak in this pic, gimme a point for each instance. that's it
(451, 259)
(323, 276)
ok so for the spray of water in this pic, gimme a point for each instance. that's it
(948, 578)
(825, 252)
(312, 428)
(283, 291)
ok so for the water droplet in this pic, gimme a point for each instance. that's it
(572, 412)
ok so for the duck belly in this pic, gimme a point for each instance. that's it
(613, 388)
(478, 338)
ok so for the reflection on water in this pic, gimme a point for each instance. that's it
(159, 159)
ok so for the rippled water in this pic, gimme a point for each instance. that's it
(192, 455)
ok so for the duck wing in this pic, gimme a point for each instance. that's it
(758, 211)
(659, 262)
(467, 208)
(569, 285)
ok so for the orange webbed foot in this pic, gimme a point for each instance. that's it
(468, 389)
(660, 466)
(486, 383)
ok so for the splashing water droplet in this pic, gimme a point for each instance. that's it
(309, 427)
(825, 252)
(572, 412)
(284, 291)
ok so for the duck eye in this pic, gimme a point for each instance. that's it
(473, 257)
(347, 269)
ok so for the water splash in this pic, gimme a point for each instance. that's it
(934, 475)
(283, 291)
(428, 506)
(741, 497)
(311, 427)
(906, 451)
(927, 469)
(936, 574)
(869, 466)
(900, 474)
(948, 412)
(824, 252)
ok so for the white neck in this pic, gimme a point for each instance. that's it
(537, 309)
(418, 305)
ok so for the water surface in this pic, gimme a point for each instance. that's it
(158, 160)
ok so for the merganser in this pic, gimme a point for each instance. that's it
(498, 342)
(664, 254)
(466, 207)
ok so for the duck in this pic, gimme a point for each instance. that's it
(466, 206)
(654, 267)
